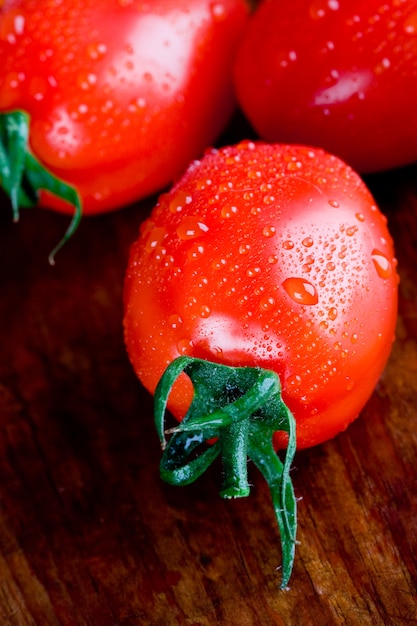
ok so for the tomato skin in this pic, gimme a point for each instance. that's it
(341, 75)
(273, 256)
(122, 95)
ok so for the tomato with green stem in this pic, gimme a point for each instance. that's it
(117, 96)
(261, 258)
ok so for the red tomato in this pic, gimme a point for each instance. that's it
(121, 94)
(339, 74)
(273, 256)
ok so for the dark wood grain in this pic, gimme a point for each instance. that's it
(90, 536)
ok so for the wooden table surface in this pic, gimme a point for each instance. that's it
(89, 535)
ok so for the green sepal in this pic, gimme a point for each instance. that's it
(240, 408)
(22, 176)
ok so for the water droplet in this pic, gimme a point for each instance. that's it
(191, 227)
(219, 264)
(155, 238)
(175, 322)
(307, 242)
(195, 252)
(383, 65)
(351, 230)
(137, 104)
(410, 24)
(294, 166)
(288, 244)
(334, 204)
(294, 380)
(205, 311)
(228, 211)
(382, 264)
(218, 11)
(269, 231)
(244, 248)
(330, 266)
(332, 313)
(267, 304)
(360, 217)
(96, 50)
(300, 290)
(184, 346)
(225, 187)
(319, 8)
(179, 201)
(85, 80)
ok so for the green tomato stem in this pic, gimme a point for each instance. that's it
(22, 176)
(240, 408)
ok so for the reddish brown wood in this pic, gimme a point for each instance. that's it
(89, 536)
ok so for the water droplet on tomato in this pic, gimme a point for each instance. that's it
(334, 204)
(382, 264)
(360, 217)
(267, 304)
(184, 346)
(293, 381)
(332, 313)
(191, 227)
(228, 211)
(96, 50)
(175, 322)
(244, 248)
(218, 11)
(307, 242)
(301, 290)
(155, 238)
(319, 8)
(410, 24)
(195, 252)
(205, 311)
(179, 201)
(86, 80)
(351, 230)
(288, 244)
(294, 166)
(269, 231)
(137, 104)
(382, 66)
